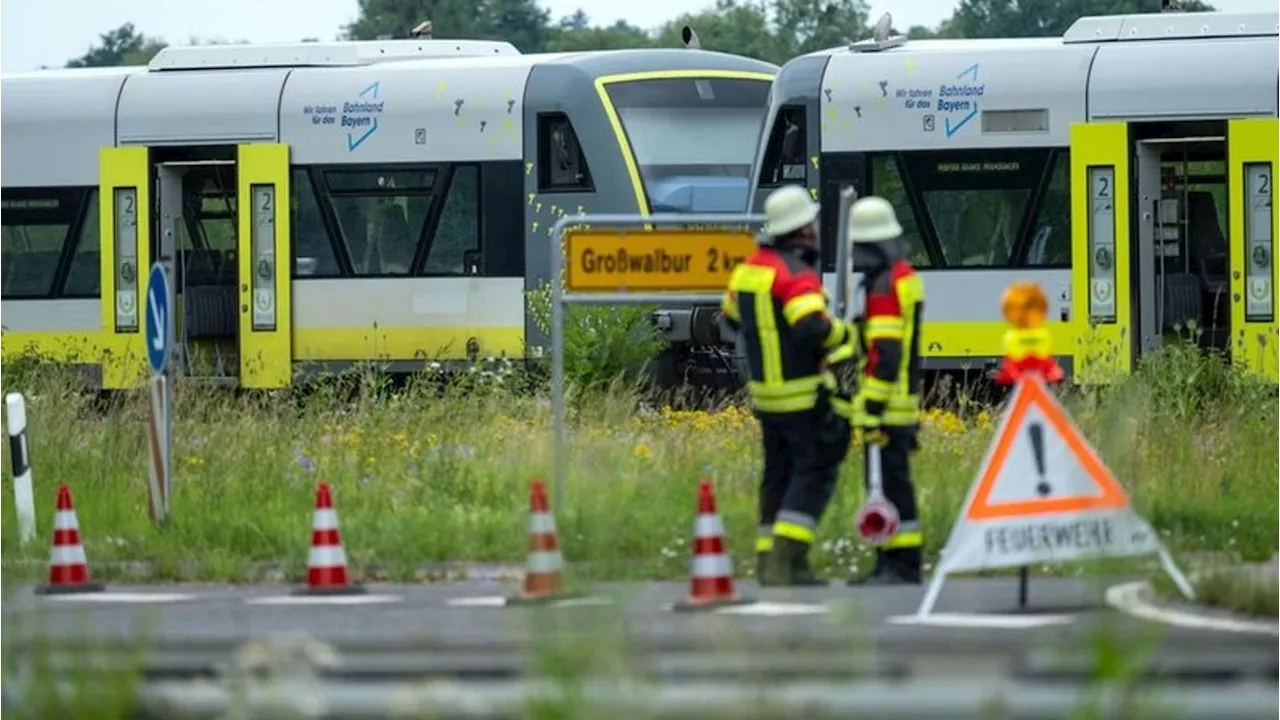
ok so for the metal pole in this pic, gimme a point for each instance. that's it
(557, 362)
(1023, 573)
(166, 389)
(844, 259)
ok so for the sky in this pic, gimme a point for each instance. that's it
(50, 32)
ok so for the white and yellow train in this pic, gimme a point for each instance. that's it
(330, 203)
(1127, 167)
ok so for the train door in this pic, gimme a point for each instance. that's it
(1100, 250)
(1253, 146)
(196, 234)
(266, 348)
(125, 222)
(1180, 243)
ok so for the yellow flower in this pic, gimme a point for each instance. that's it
(642, 451)
(194, 461)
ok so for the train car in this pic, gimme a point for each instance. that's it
(1126, 166)
(330, 203)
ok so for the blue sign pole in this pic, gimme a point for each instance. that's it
(159, 340)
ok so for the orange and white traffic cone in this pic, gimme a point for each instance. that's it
(327, 563)
(68, 568)
(712, 583)
(543, 578)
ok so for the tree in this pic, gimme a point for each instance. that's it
(521, 22)
(122, 46)
(1042, 18)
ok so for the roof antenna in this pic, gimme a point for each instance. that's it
(882, 28)
(690, 38)
(421, 30)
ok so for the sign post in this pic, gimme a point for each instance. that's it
(618, 260)
(159, 341)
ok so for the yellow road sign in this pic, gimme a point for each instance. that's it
(678, 260)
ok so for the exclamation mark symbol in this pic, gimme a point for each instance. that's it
(1036, 431)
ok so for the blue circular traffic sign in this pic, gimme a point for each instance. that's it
(158, 318)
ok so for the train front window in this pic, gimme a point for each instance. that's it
(693, 140)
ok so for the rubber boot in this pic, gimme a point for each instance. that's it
(893, 567)
(788, 565)
(762, 560)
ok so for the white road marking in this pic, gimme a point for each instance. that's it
(501, 601)
(1128, 599)
(323, 600)
(772, 609)
(121, 597)
(981, 620)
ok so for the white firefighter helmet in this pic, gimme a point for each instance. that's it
(788, 209)
(871, 219)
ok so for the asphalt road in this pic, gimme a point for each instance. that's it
(837, 635)
(448, 629)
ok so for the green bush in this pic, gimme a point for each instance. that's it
(602, 343)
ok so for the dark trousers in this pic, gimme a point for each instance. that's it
(895, 480)
(802, 455)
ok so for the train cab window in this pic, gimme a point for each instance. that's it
(784, 159)
(34, 227)
(561, 163)
(382, 214)
(694, 139)
(981, 208)
(457, 236)
(886, 181)
(313, 254)
(84, 277)
(1050, 243)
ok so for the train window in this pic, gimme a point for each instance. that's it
(561, 162)
(976, 200)
(84, 277)
(313, 254)
(687, 128)
(381, 215)
(34, 226)
(886, 181)
(458, 232)
(1050, 244)
(784, 159)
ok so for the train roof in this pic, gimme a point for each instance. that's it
(399, 55)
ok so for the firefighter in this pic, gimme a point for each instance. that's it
(886, 405)
(775, 301)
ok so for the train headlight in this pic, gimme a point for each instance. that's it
(263, 240)
(126, 231)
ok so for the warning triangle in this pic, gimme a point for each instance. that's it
(1039, 464)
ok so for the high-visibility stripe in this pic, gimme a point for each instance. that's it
(765, 544)
(838, 334)
(876, 389)
(67, 555)
(796, 526)
(711, 566)
(540, 562)
(327, 556)
(708, 526)
(64, 520)
(729, 304)
(884, 328)
(801, 305)
(902, 540)
(840, 354)
(541, 523)
(324, 519)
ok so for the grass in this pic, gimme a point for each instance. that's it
(421, 477)
(1248, 591)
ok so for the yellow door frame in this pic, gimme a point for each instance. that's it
(1100, 284)
(1255, 338)
(266, 329)
(124, 173)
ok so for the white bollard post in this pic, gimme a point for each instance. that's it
(20, 458)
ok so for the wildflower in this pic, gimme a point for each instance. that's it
(194, 461)
(642, 450)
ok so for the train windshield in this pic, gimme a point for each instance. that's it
(694, 140)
